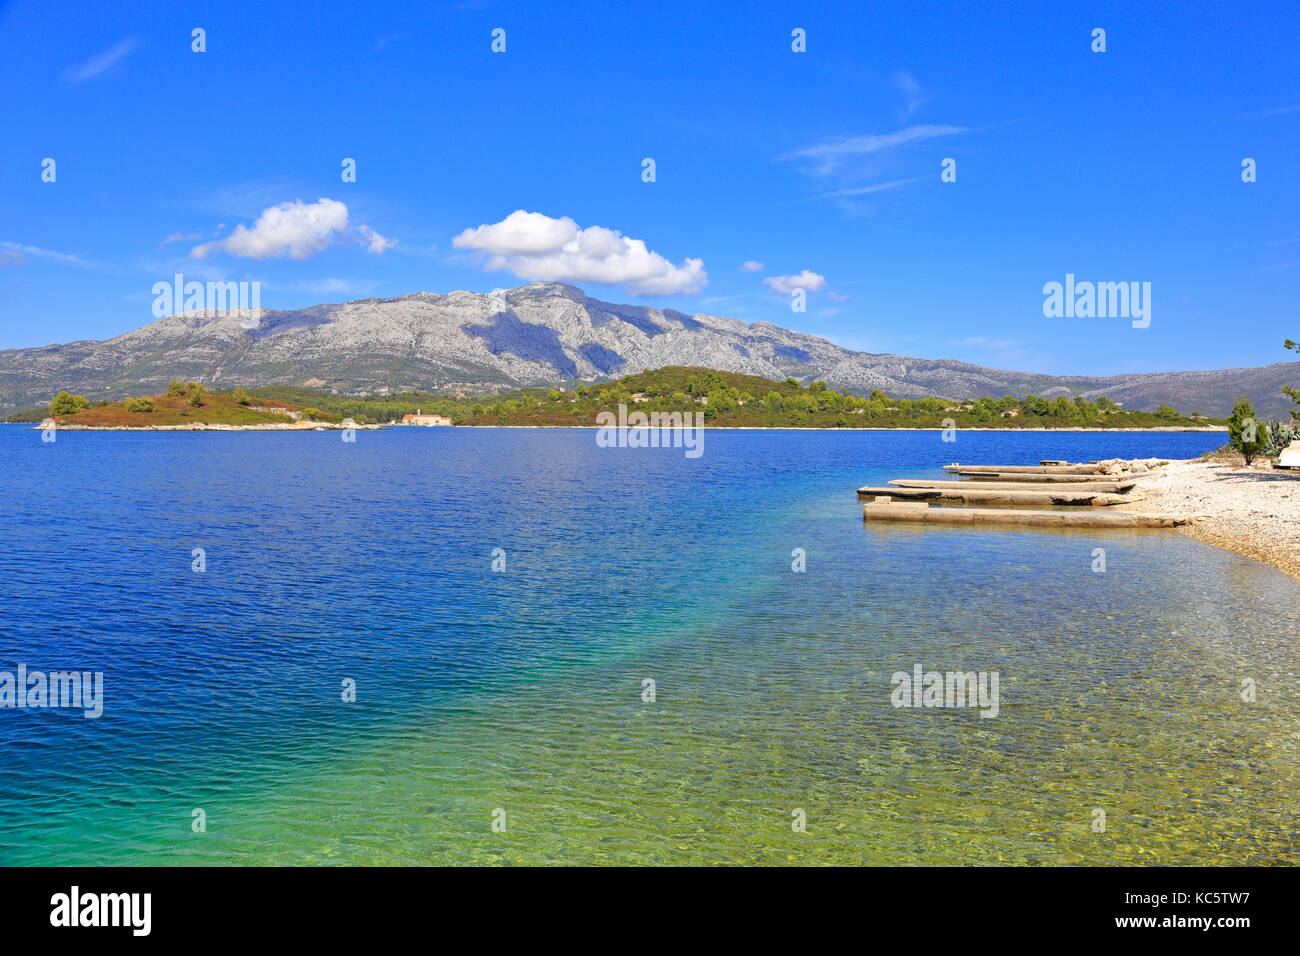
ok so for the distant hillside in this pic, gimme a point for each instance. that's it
(546, 334)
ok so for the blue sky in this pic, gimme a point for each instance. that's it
(1115, 166)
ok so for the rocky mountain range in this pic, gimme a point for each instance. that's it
(545, 333)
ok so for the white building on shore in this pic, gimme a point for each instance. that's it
(420, 419)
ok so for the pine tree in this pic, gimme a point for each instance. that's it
(1245, 433)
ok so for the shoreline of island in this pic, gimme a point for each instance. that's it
(209, 427)
(1243, 509)
(689, 395)
(373, 426)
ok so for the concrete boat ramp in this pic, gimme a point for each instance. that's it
(1054, 468)
(1052, 494)
(1015, 477)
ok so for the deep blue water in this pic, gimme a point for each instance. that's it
(372, 561)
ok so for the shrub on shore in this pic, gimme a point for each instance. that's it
(139, 404)
(1278, 435)
(65, 404)
(1245, 433)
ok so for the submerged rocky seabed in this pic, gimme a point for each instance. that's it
(609, 653)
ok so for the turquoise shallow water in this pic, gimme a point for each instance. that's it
(521, 690)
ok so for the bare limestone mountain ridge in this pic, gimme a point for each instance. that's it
(545, 333)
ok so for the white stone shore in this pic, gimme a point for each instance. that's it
(1253, 511)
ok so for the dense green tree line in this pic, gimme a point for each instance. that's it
(730, 399)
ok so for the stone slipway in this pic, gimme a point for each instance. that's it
(921, 513)
(996, 496)
(1114, 487)
(1089, 469)
(1034, 478)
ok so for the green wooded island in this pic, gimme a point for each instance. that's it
(726, 399)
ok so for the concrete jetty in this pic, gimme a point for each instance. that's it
(920, 511)
(1053, 494)
(1092, 468)
(1114, 487)
(1032, 478)
(971, 495)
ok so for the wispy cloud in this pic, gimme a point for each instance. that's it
(829, 156)
(873, 188)
(35, 252)
(913, 95)
(100, 63)
(374, 241)
(181, 237)
(1275, 111)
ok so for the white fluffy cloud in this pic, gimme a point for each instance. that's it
(808, 281)
(294, 230)
(520, 233)
(749, 265)
(535, 246)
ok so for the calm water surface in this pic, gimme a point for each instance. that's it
(522, 689)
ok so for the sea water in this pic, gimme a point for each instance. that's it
(516, 646)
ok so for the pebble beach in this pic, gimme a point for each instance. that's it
(1253, 511)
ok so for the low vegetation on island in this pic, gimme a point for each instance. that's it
(184, 403)
(729, 399)
(726, 399)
